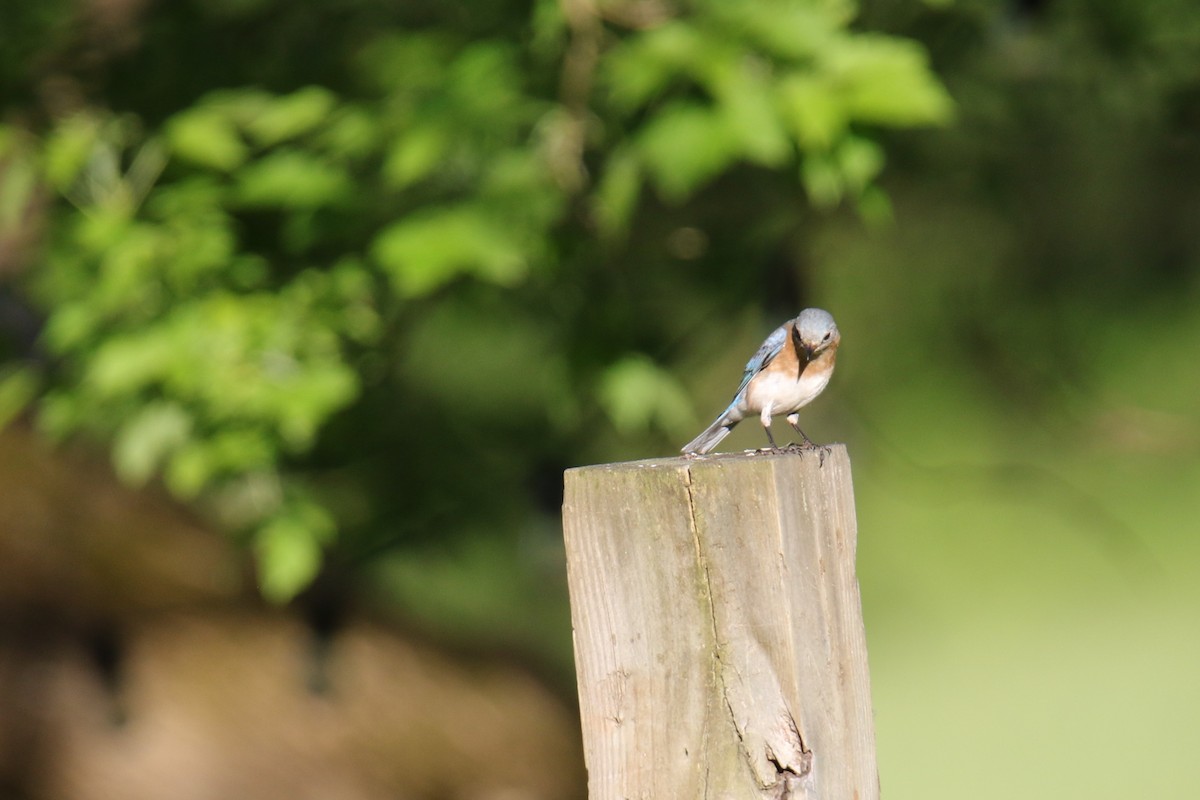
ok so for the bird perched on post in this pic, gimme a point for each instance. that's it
(791, 368)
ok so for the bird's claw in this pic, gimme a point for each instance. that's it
(823, 450)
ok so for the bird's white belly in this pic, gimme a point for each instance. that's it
(783, 393)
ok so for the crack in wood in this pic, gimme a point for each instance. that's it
(787, 777)
(703, 565)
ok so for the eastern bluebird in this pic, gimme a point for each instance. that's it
(790, 369)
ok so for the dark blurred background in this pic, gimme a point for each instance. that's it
(305, 307)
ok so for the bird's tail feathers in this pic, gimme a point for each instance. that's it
(711, 436)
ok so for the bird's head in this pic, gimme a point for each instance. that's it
(814, 332)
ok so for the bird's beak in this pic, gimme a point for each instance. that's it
(804, 352)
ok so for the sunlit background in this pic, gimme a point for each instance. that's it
(305, 307)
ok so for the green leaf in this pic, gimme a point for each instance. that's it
(426, 250)
(813, 109)
(860, 161)
(235, 449)
(144, 442)
(484, 82)
(68, 149)
(887, 81)
(413, 156)
(291, 116)
(549, 28)
(18, 388)
(309, 400)
(289, 549)
(125, 364)
(189, 470)
(71, 325)
(637, 394)
(645, 64)
(352, 132)
(292, 179)
(746, 102)
(517, 186)
(288, 559)
(787, 30)
(823, 180)
(684, 146)
(617, 193)
(207, 137)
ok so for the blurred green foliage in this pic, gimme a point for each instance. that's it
(224, 274)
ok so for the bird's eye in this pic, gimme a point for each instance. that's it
(826, 339)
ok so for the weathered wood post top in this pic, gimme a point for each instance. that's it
(719, 641)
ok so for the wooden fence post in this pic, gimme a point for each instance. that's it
(719, 639)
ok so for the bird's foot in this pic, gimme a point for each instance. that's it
(823, 450)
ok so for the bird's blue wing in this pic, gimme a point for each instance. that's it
(770, 348)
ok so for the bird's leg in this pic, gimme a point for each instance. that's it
(770, 438)
(794, 421)
(765, 419)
